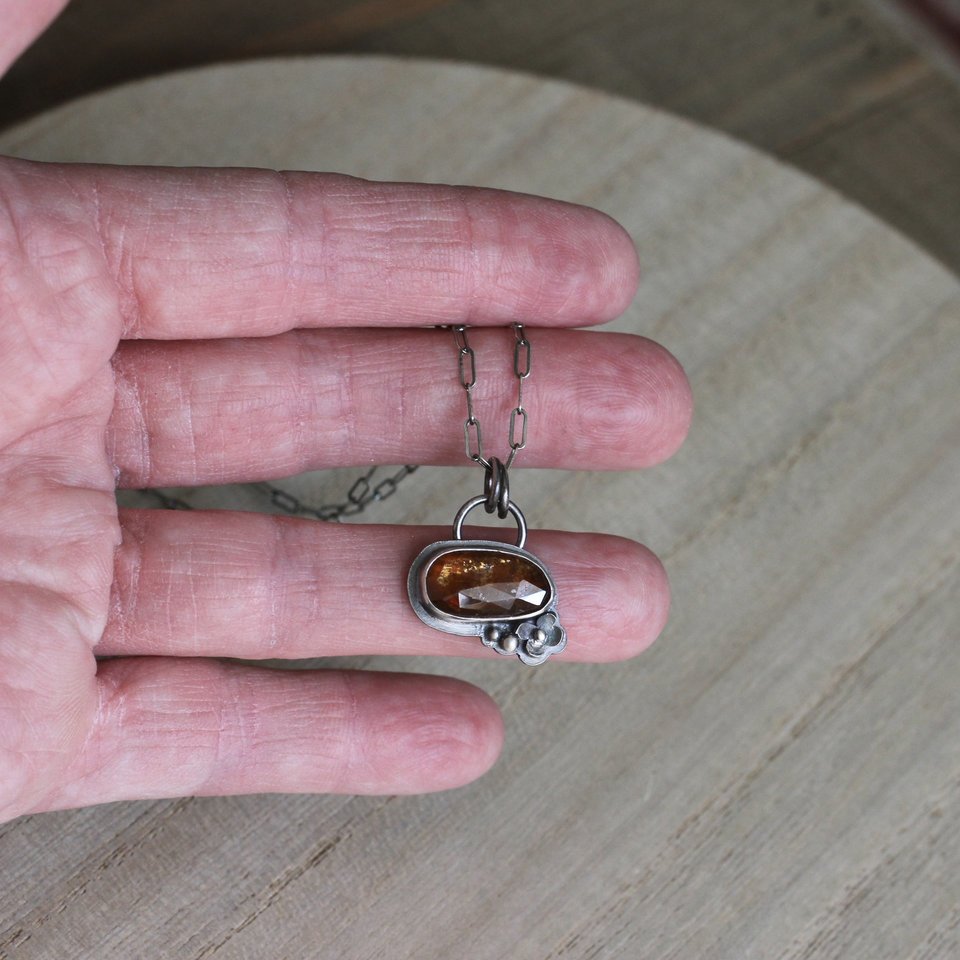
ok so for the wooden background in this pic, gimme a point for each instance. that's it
(828, 85)
(779, 777)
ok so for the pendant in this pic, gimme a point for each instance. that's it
(488, 589)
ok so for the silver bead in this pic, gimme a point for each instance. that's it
(537, 639)
(509, 642)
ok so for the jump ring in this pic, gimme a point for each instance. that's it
(496, 488)
(475, 502)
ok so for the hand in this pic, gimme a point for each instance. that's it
(175, 327)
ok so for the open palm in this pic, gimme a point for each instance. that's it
(205, 326)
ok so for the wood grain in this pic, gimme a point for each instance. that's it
(778, 777)
(828, 85)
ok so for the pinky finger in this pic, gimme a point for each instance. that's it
(171, 727)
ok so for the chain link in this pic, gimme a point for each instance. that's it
(467, 371)
(359, 497)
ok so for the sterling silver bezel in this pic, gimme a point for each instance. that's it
(463, 626)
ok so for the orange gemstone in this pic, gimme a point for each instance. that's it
(483, 584)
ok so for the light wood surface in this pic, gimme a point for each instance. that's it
(779, 777)
(831, 86)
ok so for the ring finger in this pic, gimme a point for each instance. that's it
(222, 411)
(256, 586)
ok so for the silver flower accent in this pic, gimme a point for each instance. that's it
(540, 638)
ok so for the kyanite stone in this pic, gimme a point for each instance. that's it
(480, 583)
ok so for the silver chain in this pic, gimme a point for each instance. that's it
(467, 368)
(359, 497)
(364, 491)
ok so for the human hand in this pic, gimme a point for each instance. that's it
(176, 327)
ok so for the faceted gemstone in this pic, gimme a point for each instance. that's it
(479, 583)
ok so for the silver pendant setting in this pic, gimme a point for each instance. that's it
(498, 592)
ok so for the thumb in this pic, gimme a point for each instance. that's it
(21, 22)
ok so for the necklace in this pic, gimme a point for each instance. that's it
(485, 588)
(482, 588)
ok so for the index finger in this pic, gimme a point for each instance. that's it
(209, 253)
(23, 21)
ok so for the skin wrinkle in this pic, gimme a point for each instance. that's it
(325, 258)
(341, 438)
(131, 306)
(473, 256)
(300, 364)
(153, 727)
(35, 595)
(128, 396)
(136, 464)
(183, 404)
(305, 584)
(639, 598)
(560, 252)
(220, 755)
(149, 426)
(68, 545)
(191, 581)
(435, 740)
(291, 258)
(237, 739)
(392, 225)
(90, 755)
(502, 269)
(129, 562)
(401, 384)
(168, 606)
(331, 257)
(573, 290)
(350, 731)
(98, 220)
(62, 465)
(89, 577)
(276, 587)
(608, 402)
(25, 329)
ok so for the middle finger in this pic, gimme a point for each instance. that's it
(225, 411)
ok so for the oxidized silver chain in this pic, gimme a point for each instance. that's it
(467, 367)
(359, 497)
(496, 486)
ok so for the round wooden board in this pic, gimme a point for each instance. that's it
(780, 776)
